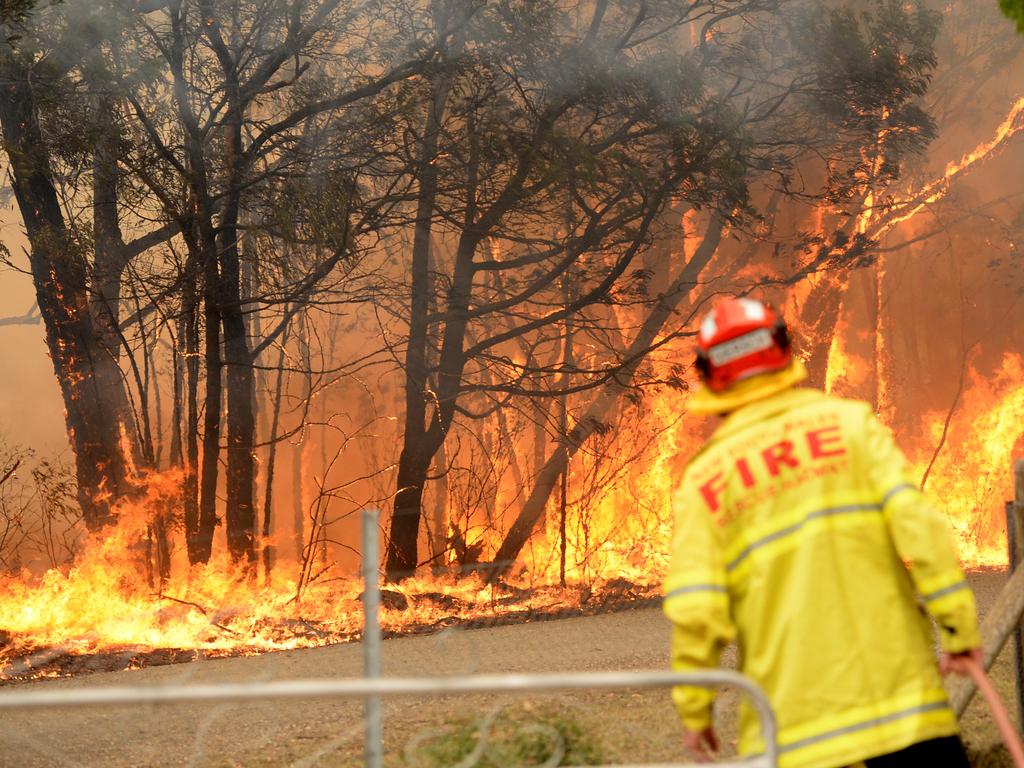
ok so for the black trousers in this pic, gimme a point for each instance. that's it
(947, 752)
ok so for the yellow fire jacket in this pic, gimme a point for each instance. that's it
(801, 535)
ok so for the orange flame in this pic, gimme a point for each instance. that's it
(621, 535)
(972, 477)
(618, 529)
(935, 190)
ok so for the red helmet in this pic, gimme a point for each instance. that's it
(738, 339)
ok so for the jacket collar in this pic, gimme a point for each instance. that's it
(748, 392)
(766, 408)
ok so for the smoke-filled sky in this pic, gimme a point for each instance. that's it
(31, 414)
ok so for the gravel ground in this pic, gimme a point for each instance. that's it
(630, 726)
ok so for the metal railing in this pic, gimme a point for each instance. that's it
(362, 688)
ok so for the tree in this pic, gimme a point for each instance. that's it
(300, 81)
(550, 165)
(100, 422)
(1014, 9)
(841, 68)
(288, 144)
(15, 10)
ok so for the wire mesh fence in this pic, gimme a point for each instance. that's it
(266, 693)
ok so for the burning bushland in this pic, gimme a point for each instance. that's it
(296, 259)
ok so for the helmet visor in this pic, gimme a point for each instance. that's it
(741, 346)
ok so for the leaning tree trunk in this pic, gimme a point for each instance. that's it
(550, 473)
(97, 415)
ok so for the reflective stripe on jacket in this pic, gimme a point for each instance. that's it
(793, 528)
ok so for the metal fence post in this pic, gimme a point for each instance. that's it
(374, 729)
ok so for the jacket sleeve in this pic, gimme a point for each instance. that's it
(696, 601)
(923, 540)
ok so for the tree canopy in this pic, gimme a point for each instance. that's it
(448, 243)
(1014, 9)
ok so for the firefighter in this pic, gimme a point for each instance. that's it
(801, 536)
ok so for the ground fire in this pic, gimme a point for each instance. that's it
(103, 603)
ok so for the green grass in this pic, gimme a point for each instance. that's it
(520, 736)
(531, 734)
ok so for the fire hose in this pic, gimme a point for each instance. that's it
(995, 704)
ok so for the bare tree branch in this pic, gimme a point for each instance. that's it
(31, 317)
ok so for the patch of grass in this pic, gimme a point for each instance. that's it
(506, 737)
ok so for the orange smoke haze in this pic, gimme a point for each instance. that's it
(929, 334)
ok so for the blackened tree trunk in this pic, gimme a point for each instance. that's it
(241, 389)
(418, 448)
(196, 542)
(108, 264)
(206, 243)
(423, 441)
(98, 417)
(212, 412)
(405, 523)
(241, 432)
(299, 448)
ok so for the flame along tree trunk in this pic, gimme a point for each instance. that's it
(97, 414)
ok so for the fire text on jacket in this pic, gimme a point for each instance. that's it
(773, 461)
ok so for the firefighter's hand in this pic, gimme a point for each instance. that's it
(702, 744)
(957, 663)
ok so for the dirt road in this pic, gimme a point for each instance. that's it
(635, 726)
